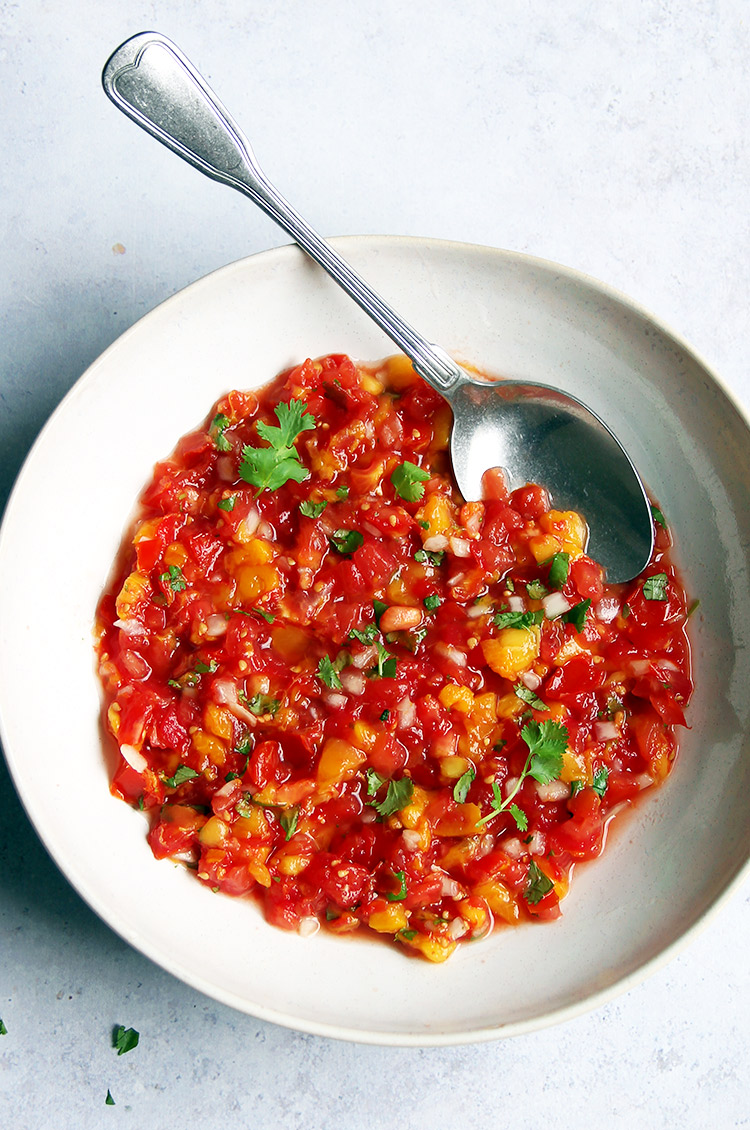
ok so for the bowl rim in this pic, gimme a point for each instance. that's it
(286, 254)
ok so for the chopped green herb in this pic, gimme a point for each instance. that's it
(398, 796)
(3, 1029)
(431, 602)
(625, 611)
(182, 773)
(424, 525)
(288, 821)
(400, 894)
(374, 781)
(408, 481)
(328, 673)
(346, 541)
(517, 619)
(528, 696)
(547, 741)
(407, 935)
(575, 787)
(310, 509)
(695, 604)
(537, 884)
(520, 817)
(342, 493)
(365, 635)
(173, 578)
(614, 706)
(261, 704)
(124, 1039)
(463, 784)
(231, 777)
(658, 516)
(332, 915)
(385, 716)
(206, 668)
(267, 616)
(378, 607)
(509, 585)
(536, 590)
(386, 668)
(430, 557)
(244, 805)
(218, 426)
(270, 467)
(577, 614)
(558, 570)
(601, 777)
(109, 1101)
(655, 587)
(227, 503)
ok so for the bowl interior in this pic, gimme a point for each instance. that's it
(665, 866)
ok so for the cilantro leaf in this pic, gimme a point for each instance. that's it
(182, 773)
(267, 616)
(658, 516)
(374, 781)
(655, 587)
(558, 570)
(346, 541)
(430, 557)
(378, 607)
(463, 784)
(517, 619)
(342, 493)
(385, 716)
(398, 796)
(263, 704)
(216, 430)
(536, 590)
(3, 1029)
(173, 579)
(288, 820)
(400, 894)
(576, 786)
(386, 668)
(365, 635)
(577, 614)
(109, 1101)
(124, 1039)
(329, 674)
(407, 935)
(432, 602)
(537, 884)
(520, 817)
(408, 480)
(601, 778)
(547, 742)
(528, 696)
(310, 509)
(227, 503)
(270, 467)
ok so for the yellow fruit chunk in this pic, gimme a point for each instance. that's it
(434, 947)
(399, 372)
(291, 644)
(568, 527)
(453, 767)
(218, 721)
(389, 920)
(215, 833)
(544, 546)
(574, 768)
(210, 747)
(456, 698)
(339, 760)
(512, 651)
(255, 581)
(175, 554)
(436, 511)
(136, 587)
(254, 824)
(499, 899)
(459, 821)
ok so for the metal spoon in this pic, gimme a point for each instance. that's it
(536, 433)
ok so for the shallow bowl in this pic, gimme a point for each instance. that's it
(667, 865)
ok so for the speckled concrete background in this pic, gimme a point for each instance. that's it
(611, 137)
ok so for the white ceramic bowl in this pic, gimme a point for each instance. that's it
(666, 866)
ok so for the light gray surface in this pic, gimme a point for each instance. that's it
(610, 137)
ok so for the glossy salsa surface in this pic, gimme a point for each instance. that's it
(336, 687)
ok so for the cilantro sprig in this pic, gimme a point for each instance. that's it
(268, 468)
(547, 742)
(398, 795)
(537, 884)
(124, 1039)
(408, 481)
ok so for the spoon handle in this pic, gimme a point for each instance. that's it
(151, 81)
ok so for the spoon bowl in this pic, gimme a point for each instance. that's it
(534, 432)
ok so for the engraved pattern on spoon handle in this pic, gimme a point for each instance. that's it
(152, 82)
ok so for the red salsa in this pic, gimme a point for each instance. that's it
(337, 687)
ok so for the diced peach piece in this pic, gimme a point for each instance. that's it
(218, 721)
(568, 527)
(210, 747)
(291, 644)
(400, 373)
(255, 581)
(435, 947)
(215, 833)
(499, 899)
(458, 821)
(512, 651)
(339, 760)
(389, 920)
(457, 698)
(136, 587)
(437, 512)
